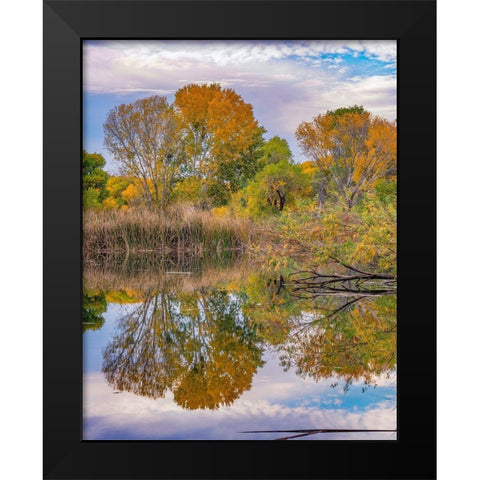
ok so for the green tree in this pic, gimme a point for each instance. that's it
(355, 110)
(274, 187)
(94, 306)
(94, 179)
(270, 305)
(275, 150)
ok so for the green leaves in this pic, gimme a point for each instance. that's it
(94, 180)
(275, 188)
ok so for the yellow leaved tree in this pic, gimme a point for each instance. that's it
(352, 149)
(221, 138)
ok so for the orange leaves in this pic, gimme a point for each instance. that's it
(216, 114)
(351, 149)
(309, 168)
(220, 135)
(208, 132)
(132, 192)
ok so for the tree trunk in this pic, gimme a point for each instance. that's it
(281, 197)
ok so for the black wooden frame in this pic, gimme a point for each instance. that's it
(413, 25)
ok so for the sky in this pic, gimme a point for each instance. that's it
(286, 81)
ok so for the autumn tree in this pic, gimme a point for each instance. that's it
(221, 138)
(221, 350)
(352, 149)
(94, 179)
(144, 138)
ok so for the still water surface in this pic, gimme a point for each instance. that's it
(216, 352)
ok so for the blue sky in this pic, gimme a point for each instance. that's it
(286, 82)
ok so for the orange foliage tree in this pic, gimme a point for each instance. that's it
(352, 149)
(221, 138)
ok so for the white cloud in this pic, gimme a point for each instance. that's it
(376, 93)
(113, 64)
(287, 82)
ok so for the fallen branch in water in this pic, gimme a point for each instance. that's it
(362, 283)
(349, 267)
(306, 432)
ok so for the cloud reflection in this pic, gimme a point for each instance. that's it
(290, 403)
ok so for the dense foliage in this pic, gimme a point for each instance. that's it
(94, 179)
(207, 150)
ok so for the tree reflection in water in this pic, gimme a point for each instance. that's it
(94, 306)
(203, 338)
(353, 339)
(196, 344)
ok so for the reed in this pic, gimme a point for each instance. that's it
(181, 228)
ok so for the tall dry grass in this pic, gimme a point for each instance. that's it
(181, 228)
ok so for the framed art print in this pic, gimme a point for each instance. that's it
(247, 196)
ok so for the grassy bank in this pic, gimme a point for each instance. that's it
(181, 228)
